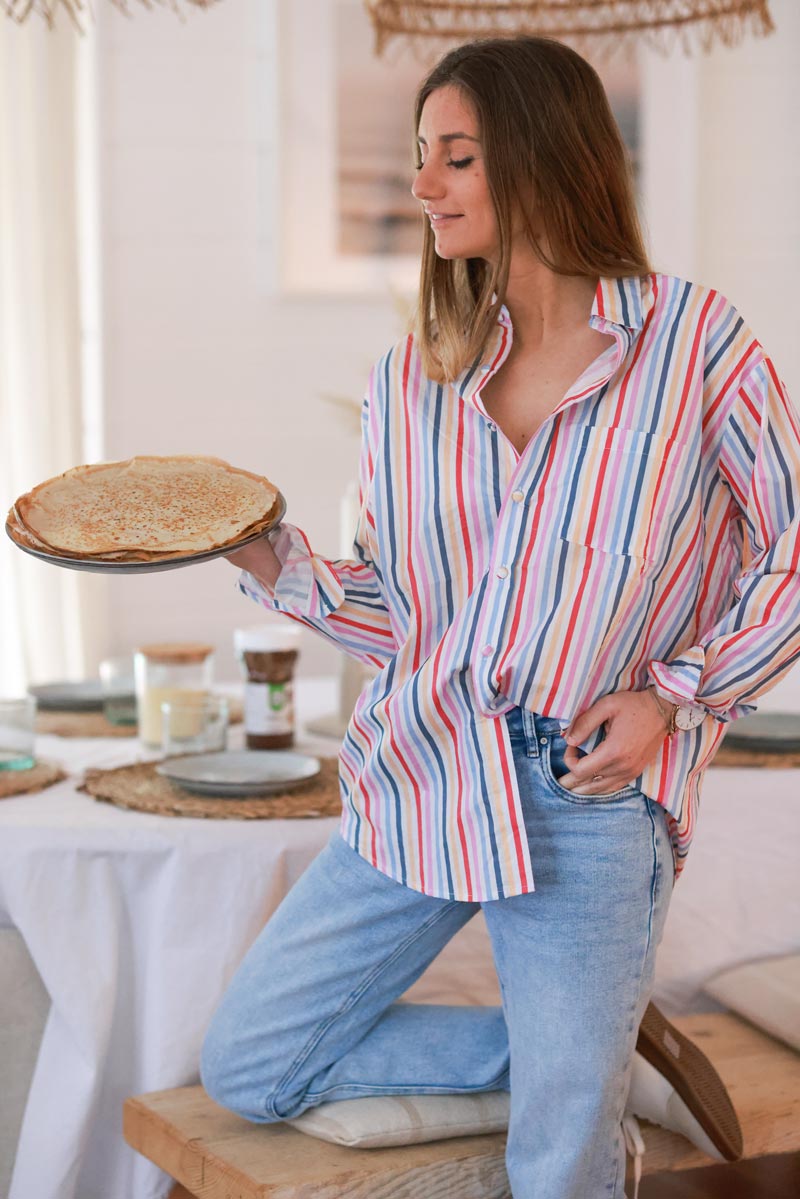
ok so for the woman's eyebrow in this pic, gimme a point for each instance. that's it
(450, 137)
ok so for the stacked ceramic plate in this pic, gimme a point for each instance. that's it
(86, 696)
(765, 732)
(233, 774)
(147, 513)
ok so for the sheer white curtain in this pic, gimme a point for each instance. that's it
(49, 617)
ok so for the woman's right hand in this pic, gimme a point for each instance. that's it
(260, 559)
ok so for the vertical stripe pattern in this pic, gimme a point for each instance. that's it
(649, 533)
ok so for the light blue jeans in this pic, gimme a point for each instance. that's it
(311, 1015)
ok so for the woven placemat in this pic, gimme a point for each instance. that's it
(730, 755)
(140, 788)
(94, 724)
(81, 724)
(20, 782)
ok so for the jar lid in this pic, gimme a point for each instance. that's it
(176, 651)
(267, 638)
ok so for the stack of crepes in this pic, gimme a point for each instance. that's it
(145, 509)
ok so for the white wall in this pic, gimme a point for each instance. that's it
(201, 356)
(722, 176)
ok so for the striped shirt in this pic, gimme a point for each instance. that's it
(647, 534)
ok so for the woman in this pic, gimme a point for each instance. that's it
(576, 561)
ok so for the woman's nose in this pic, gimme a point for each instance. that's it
(427, 183)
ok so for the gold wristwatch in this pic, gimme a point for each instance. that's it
(681, 718)
(685, 719)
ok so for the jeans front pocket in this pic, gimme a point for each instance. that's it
(554, 766)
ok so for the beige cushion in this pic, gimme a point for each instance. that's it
(765, 992)
(374, 1122)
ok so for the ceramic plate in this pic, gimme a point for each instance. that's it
(136, 568)
(770, 732)
(236, 773)
(69, 697)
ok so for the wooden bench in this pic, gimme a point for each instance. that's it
(215, 1155)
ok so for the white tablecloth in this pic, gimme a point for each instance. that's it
(136, 922)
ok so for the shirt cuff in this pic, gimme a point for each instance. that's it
(307, 586)
(678, 682)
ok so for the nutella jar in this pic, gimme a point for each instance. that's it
(268, 654)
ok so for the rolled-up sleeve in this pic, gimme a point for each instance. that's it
(758, 639)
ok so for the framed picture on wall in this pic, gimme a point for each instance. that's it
(349, 224)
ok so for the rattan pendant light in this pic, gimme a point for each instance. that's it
(79, 10)
(591, 22)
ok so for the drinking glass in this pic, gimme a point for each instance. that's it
(119, 699)
(195, 725)
(17, 733)
(168, 672)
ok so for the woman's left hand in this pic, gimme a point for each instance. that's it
(635, 728)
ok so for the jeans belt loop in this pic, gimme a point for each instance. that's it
(531, 735)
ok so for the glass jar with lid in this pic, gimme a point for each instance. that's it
(268, 655)
(170, 671)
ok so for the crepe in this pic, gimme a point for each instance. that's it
(145, 508)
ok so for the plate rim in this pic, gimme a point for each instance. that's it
(763, 726)
(94, 684)
(47, 701)
(310, 758)
(130, 568)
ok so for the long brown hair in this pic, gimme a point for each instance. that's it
(549, 138)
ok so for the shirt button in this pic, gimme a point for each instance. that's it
(502, 572)
(518, 496)
(543, 741)
(485, 367)
(487, 650)
(491, 425)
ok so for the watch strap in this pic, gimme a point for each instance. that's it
(668, 717)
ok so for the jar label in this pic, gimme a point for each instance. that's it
(268, 708)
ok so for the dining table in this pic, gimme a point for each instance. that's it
(136, 921)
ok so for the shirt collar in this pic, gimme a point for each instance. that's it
(617, 301)
(620, 301)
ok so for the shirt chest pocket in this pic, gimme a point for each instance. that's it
(620, 490)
